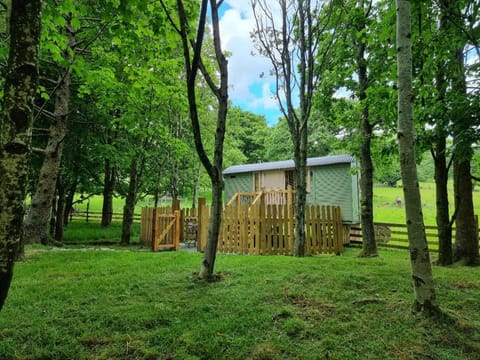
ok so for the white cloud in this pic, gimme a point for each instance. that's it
(247, 89)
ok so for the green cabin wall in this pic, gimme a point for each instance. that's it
(335, 185)
(242, 182)
(329, 185)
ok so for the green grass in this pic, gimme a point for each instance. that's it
(385, 209)
(81, 232)
(125, 304)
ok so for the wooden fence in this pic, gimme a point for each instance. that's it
(396, 236)
(96, 216)
(255, 229)
(161, 229)
(269, 230)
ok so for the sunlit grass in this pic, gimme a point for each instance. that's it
(123, 304)
(385, 209)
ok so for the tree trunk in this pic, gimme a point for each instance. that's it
(53, 216)
(109, 184)
(37, 220)
(196, 175)
(423, 286)
(192, 65)
(70, 194)
(215, 172)
(41, 206)
(209, 256)
(444, 225)
(369, 245)
(442, 206)
(129, 208)
(301, 193)
(60, 211)
(466, 237)
(15, 130)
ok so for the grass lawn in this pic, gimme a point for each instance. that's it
(385, 209)
(80, 232)
(74, 303)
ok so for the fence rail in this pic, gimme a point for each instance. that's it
(395, 236)
(88, 216)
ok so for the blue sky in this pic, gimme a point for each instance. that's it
(247, 89)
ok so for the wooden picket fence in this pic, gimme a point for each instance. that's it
(245, 229)
(269, 230)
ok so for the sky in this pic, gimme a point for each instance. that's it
(247, 90)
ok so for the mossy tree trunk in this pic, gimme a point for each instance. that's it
(15, 130)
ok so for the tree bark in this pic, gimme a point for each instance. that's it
(300, 158)
(15, 130)
(110, 180)
(369, 245)
(466, 236)
(60, 213)
(130, 200)
(423, 286)
(41, 206)
(445, 256)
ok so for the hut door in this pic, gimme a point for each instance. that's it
(290, 179)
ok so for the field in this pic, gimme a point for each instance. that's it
(385, 209)
(128, 304)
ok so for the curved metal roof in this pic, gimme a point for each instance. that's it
(289, 164)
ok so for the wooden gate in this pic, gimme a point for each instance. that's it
(165, 230)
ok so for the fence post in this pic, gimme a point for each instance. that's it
(154, 230)
(339, 225)
(176, 236)
(200, 224)
(88, 207)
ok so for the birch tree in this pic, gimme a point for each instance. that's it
(422, 278)
(15, 130)
(291, 43)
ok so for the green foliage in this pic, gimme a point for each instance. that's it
(249, 133)
(279, 144)
(104, 304)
